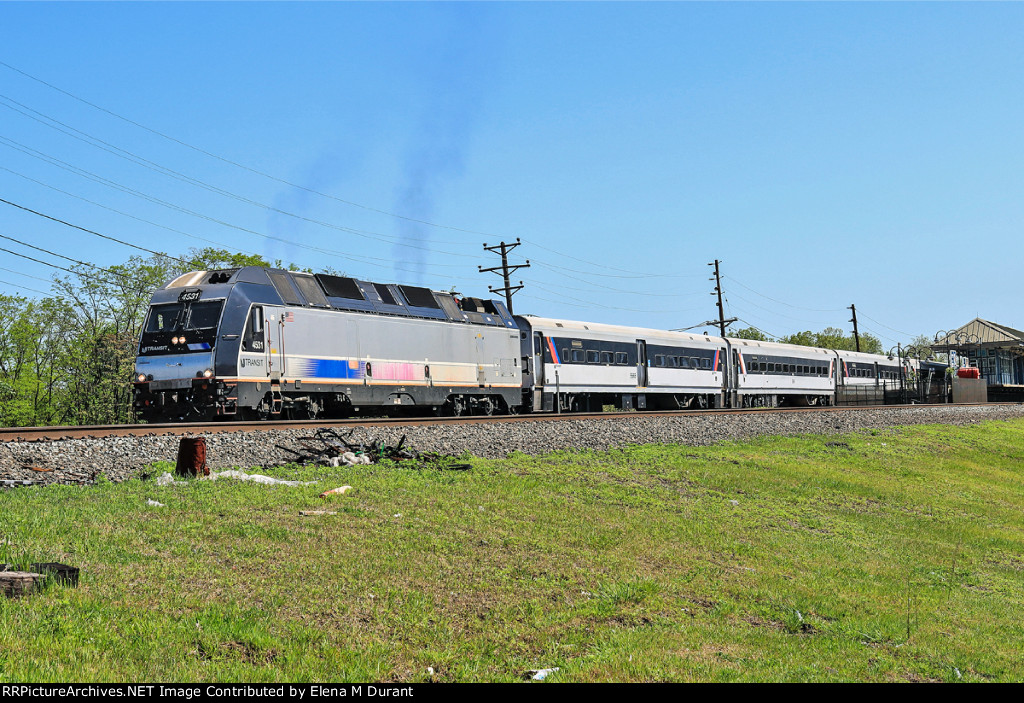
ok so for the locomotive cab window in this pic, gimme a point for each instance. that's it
(164, 317)
(254, 339)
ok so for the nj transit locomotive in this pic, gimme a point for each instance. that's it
(257, 343)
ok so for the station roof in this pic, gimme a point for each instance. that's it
(981, 334)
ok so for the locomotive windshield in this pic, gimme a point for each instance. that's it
(181, 327)
(177, 317)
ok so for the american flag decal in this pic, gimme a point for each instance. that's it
(288, 317)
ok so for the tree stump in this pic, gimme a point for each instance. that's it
(192, 457)
(15, 584)
(60, 573)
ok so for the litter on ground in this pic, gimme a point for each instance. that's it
(341, 490)
(155, 504)
(257, 478)
(166, 479)
(540, 674)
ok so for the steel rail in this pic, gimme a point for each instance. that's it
(35, 434)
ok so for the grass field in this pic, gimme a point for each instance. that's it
(893, 555)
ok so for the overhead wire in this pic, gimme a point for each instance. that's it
(240, 165)
(635, 274)
(15, 285)
(780, 302)
(185, 178)
(62, 268)
(892, 329)
(89, 175)
(89, 231)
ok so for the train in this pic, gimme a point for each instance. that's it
(257, 343)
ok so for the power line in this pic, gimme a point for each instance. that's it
(893, 329)
(764, 332)
(46, 263)
(139, 160)
(89, 231)
(26, 275)
(61, 256)
(83, 173)
(15, 285)
(797, 307)
(239, 165)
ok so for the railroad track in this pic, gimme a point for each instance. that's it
(27, 434)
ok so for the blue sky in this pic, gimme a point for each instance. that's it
(828, 154)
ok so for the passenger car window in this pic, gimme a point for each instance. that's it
(621, 358)
(606, 357)
(592, 356)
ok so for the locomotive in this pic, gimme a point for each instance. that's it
(264, 343)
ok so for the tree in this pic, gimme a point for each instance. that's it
(211, 259)
(803, 339)
(751, 333)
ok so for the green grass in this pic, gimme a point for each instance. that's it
(878, 556)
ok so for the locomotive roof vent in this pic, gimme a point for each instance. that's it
(222, 276)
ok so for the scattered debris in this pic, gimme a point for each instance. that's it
(540, 674)
(165, 479)
(328, 447)
(38, 469)
(318, 512)
(341, 490)
(11, 483)
(155, 504)
(257, 478)
(734, 502)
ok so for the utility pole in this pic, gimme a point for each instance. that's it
(505, 270)
(856, 334)
(718, 289)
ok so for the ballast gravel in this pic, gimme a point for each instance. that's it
(122, 458)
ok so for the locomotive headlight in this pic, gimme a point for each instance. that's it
(174, 340)
(141, 378)
(208, 373)
(181, 340)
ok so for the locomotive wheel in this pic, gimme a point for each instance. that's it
(458, 406)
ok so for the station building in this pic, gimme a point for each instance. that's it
(995, 349)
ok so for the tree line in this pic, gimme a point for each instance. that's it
(68, 358)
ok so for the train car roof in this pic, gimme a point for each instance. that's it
(638, 332)
(797, 349)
